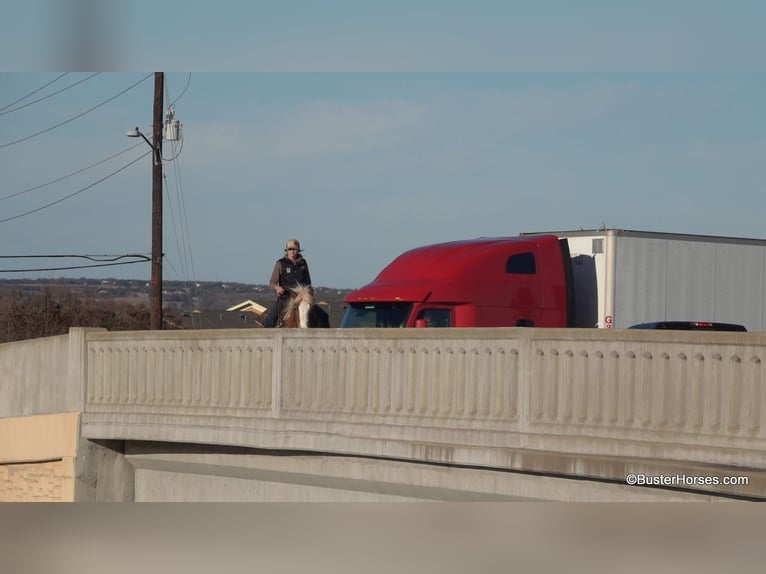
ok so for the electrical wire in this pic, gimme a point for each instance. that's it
(18, 193)
(187, 288)
(77, 116)
(2, 113)
(178, 217)
(113, 260)
(79, 191)
(188, 81)
(176, 153)
(179, 220)
(169, 203)
(21, 99)
(184, 244)
(68, 268)
(185, 237)
(91, 257)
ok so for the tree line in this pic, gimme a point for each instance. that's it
(48, 313)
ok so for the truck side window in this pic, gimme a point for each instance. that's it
(436, 317)
(523, 263)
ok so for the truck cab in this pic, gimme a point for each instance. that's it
(485, 282)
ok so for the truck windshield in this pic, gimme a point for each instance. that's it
(376, 315)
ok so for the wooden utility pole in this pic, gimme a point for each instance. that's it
(155, 295)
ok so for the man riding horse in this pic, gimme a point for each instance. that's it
(289, 272)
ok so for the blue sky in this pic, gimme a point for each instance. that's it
(364, 132)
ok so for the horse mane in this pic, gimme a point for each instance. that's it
(298, 294)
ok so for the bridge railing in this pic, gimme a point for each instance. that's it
(573, 402)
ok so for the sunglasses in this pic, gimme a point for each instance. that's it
(292, 249)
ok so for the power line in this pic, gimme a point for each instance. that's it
(75, 117)
(113, 260)
(183, 223)
(76, 192)
(70, 174)
(92, 257)
(21, 99)
(183, 244)
(188, 81)
(2, 113)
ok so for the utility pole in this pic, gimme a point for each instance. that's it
(155, 295)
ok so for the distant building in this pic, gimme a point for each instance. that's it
(249, 307)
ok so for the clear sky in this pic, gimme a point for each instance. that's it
(366, 131)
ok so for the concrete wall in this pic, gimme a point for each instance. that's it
(42, 454)
(42, 376)
(564, 403)
(180, 473)
(43, 458)
(37, 458)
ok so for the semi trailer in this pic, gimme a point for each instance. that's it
(601, 278)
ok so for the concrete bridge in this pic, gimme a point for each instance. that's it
(401, 414)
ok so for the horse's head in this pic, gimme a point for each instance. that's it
(297, 311)
(302, 294)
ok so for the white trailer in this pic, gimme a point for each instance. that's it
(624, 277)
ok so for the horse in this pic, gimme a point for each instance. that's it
(296, 313)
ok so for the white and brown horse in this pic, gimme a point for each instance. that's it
(296, 313)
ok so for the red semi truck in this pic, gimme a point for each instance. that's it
(603, 278)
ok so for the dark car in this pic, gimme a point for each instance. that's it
(690, 326)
